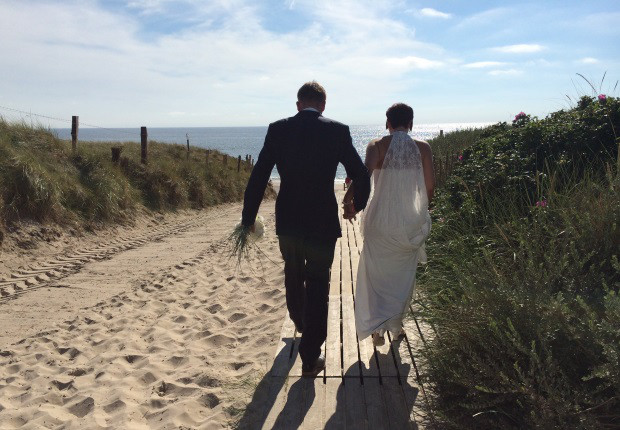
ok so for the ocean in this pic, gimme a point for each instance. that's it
(244, 140)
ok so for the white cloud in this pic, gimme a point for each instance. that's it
(434, 13)
(588, 60)
(483, 64)
(485, 18)
(507, 72)
(520, 48)
(411, 62)
(201, 75)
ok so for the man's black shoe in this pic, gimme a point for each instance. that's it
(311, 371)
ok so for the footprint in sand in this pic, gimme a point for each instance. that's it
(180, 319)
(82, 408)
(114, 406)
(205, 381)
(219, 340)
(236, 317)
(210, 400)
(176, 361)
(214, 308)
(62, 385)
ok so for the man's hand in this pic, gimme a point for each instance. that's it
(349, 211)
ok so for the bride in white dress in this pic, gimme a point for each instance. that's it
(394, 226)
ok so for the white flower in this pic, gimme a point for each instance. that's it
(259, 228)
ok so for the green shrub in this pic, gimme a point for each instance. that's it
(515, 160)
(523, 278)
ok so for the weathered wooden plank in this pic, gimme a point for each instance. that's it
(404, 350)
(376, 408)
(333, 345)
(287, 408)
(347, 284)
(356, 417)
(334, 280)
(297, 364)
(334, 409)
(407, 369)
(414, 400)
(368, 359)
(385, 361)
(355, 259)
(314, 418)
(296, 359)
(349, 339)
(415, 391)
(401, 357)
(282, 362)
(292, 414)
(334, 277)
(277, 392)
(398, 414)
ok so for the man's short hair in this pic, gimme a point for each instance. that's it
(399, 115)
(311, 92)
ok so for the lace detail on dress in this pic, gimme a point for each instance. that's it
(399, 203)
(403, 153)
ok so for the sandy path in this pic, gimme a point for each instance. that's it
(153, 330)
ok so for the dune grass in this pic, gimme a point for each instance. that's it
(41, 179)
(523, 278)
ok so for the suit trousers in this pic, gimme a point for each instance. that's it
(306, 278)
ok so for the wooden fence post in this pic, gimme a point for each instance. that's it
(116, 153)
(75, 125)
(187, 137)
(143, 145)
(225, 160)
(440, 133)
(239, 164)
(207, 155)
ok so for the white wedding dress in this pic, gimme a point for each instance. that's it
(394, 226)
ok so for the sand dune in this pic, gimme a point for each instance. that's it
(155, 330)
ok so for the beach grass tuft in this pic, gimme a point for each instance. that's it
(42, 179)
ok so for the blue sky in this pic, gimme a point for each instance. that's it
(238, 62)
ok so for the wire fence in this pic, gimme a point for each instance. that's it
(63, 120)
(247, 163)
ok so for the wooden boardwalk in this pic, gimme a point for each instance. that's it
(362, 387)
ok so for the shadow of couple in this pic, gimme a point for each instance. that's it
(347, 401)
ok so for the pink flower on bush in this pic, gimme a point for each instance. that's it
(521, 119)
(460, 157)
(520, 115)
(541, 203)
(602, 98)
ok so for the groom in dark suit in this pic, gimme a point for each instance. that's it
(307, 149)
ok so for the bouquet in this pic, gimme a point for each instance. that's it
(242, 240)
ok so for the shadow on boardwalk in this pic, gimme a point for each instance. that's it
(334, 403)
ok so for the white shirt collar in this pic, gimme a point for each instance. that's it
(312, 109)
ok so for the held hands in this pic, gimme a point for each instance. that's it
(349, 211)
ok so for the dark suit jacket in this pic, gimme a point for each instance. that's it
(306, 148)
